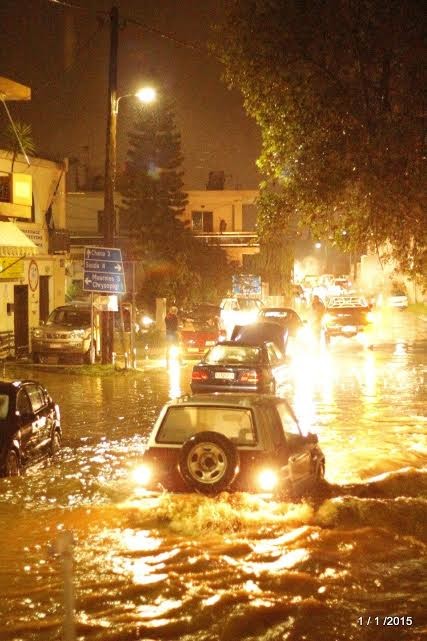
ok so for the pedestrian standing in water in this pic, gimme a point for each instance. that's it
(318, 311)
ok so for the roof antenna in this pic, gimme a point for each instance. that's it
(14, 129)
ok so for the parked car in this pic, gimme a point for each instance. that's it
(238, 310)
(198, 337)
(284, 316)
(30, 427)
(211, 443)
(66, 333)
(262, 332)
(346, 316)
(231, 367)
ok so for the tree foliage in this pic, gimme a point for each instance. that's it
(176, 265)
(17, 138)
(337, 88)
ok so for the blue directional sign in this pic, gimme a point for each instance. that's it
(103, 270)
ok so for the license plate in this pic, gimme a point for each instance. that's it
(55, 345)
(229, 376)
(209, 343)
(349, 329)
(192, 350)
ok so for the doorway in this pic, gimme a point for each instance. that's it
(44, 298)
(21, 320)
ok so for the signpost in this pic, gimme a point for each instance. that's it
(103, 271)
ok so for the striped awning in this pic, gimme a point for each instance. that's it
(13, 241)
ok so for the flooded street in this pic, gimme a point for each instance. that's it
(350, 566)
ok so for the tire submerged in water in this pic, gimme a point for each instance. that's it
(208, 462)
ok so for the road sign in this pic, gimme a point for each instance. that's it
(103, 270)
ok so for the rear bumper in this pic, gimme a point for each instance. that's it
(201, 387)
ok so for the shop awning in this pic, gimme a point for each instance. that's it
(13, 241)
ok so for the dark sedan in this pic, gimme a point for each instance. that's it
(239, 367)
(30, 428)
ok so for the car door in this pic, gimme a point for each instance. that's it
(42, 421)
(26, 417)
(300, 457)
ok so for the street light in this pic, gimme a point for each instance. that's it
(146, 95)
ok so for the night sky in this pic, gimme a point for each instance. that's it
(62, 54)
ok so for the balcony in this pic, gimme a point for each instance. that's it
(59, 241)
(229, 238)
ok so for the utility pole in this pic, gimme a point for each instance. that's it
(110, 175)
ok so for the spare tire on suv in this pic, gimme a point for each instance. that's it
(208, 462)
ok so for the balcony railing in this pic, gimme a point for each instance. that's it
(229, 238)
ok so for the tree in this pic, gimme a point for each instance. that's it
(176, 265)
(337, 88)
(18, 138)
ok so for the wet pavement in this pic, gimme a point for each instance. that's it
(238, 567)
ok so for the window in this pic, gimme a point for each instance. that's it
(289, 423)
(202, 221)
(229, 354)
(182, 422)
(4, 406)
(36, 396)
(274, 355)
(23, 404)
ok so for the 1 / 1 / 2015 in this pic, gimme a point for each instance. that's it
(385, 620)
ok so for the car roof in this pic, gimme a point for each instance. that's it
(14, 384)
(230, 400)
(277, 309)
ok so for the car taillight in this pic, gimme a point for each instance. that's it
(250, 376)
(199, 375)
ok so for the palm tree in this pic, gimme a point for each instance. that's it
(19, 138)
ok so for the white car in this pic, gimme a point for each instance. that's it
(238, 310)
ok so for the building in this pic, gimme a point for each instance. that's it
(33, 247)
(222, 217)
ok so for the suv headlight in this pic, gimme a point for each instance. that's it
(268, 480)
(37, 333)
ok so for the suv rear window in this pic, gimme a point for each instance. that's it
(182, 422)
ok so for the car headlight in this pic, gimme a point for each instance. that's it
(37, 333)
(147, 321)
(267, 480)
(370, 317)
(142, 475)
(328, 318)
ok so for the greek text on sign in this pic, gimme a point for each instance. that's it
(103, 270)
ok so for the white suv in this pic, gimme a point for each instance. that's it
(238, 310)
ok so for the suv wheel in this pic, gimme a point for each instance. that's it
(208, 462)
(12, 466)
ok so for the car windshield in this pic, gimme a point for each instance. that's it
(233, 354)
(4, 405)
(182, 422)
(69, 317)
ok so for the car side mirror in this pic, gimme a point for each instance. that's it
(312, 438)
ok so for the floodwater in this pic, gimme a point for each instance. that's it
(237, 567)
